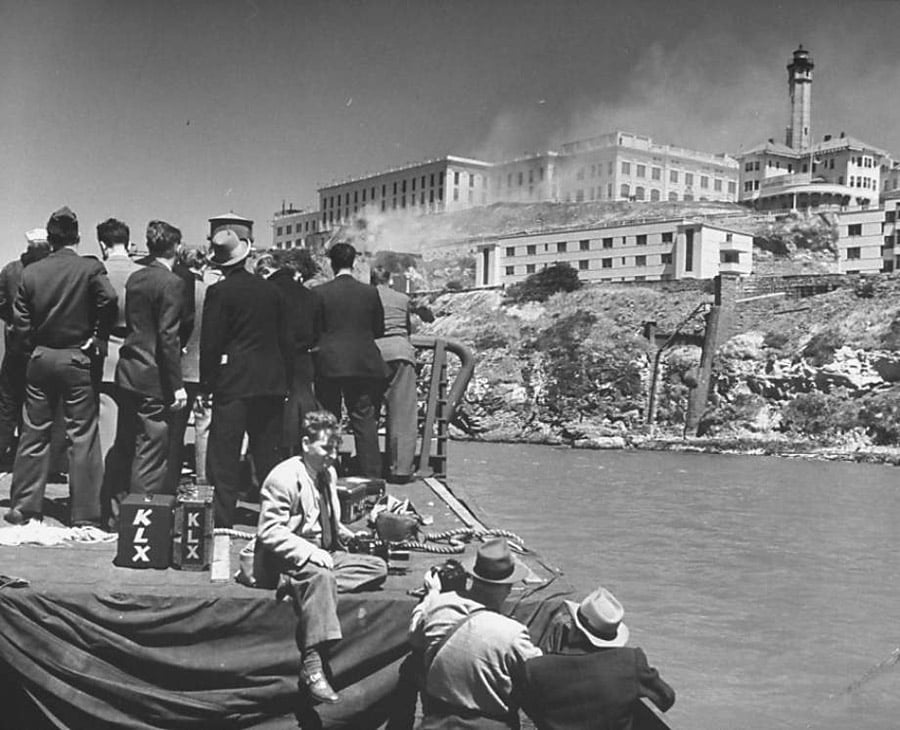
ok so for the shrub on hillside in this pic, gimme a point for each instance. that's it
(776, 340)
(730, 417)
(821, 347)
(891, 340)
(540, 286)
(818, 414)
(879, 414)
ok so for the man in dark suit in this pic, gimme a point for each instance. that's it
(587, 677)
(12, 373)
(299, 305)
(244, 361)
(63, 314)
(149, 385)
(348, 319)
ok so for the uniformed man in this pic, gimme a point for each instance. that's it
(63, 314)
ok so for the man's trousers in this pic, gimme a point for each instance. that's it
(401, 403)
(315, 590)
(136, 463)
(300, 401)
(362, 396)
(261, 417)
(55, 375)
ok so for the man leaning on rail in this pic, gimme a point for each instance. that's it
(299, 537)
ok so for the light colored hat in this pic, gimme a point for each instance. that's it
(495, 563)
(36, 235)
(226, 249)
(599, 618)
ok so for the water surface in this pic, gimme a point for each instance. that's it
(763, 589)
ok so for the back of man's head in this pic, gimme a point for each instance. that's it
(62, 228)
(162, 239)
(113, 232)
(36, 246)
(379, 275)
(342, 256)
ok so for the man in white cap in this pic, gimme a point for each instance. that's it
(244, 362)
(12, 373)
(473, 655)
(588, 678)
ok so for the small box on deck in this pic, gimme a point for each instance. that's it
(357, 496)
(145, 531)
(192, 544)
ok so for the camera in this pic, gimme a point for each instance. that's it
(367, 545)
(452, 575)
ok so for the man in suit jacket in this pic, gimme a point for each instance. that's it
(149, 385)
(587, 677)
(244, 361)
(348, 319)
(299, 305)
(62, 315)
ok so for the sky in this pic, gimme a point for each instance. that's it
(182, 110)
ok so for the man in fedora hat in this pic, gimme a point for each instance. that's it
(244, 361)
(587, 677)
(472, 655)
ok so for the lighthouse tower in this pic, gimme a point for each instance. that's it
(800, 85)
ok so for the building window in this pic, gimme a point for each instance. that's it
(730, 257)
(579, 175)
(607, 243)
(656, 173)
(641, 170)
(456, 193)
(278, 231)
(890, 216)
(854, 229)
(625, 191)
(689, 179)
(583, 264)
(704, 182)
(732, 187)
(639, 193)
(626, 168)
(668, 237)
(579, 195)
(510, 251)
(689, 249)
(529, 269)
(606, 263)
(561, 247)
(673, 197)
(717, 185)
(510, 270)
(640, 260)
(584, 245)
(521, 179)
(666, 258)
(654, 195)
(673, 176)
(456, 178)
(641, 239)
(853, 253)
(531, 250)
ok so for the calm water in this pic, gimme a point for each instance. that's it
(761, 588)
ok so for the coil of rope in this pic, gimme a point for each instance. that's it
(428, 542)
(456, 540)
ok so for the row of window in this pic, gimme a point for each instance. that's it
(519, 177)
(584, 244)
(605, 263)
(288, 229)
(397, 187)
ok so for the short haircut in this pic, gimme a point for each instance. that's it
(162, 238)
(315, 422)
(112, 232)
(194, 258)
(342, 256)
(62, 231)
(379, 275)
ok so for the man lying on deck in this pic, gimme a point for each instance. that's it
(299, 536)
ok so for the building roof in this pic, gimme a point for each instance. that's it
(836, 143)
(771, 147)
(409, 166)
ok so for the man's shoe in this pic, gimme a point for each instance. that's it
(318, 687)
(16, 517)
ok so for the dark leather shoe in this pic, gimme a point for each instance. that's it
(318, 687)
(16, 517)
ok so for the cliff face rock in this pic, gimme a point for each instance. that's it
(576, 368)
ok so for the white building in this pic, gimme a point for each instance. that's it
(648, 250)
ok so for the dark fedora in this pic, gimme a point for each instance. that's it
(495, 563)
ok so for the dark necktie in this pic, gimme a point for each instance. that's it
(325, 520)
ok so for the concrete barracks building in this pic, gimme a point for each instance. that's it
(636, 251)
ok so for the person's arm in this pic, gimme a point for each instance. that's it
(168, 328)
(188, 302)
(377, 315)
(22, 317)
(416, 633)
(106, 303)
(651, 685)
(6, 297)
(212, 335)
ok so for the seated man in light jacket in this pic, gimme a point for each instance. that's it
(299, 536)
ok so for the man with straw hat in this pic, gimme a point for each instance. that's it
(473, 655)
(588, 678)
